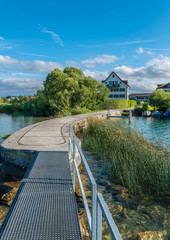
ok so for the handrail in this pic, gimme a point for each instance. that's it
(98, 204)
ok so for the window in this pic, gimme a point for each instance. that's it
(116, 89)
(116, 95)
(122, 89)
(122, 95)
(113, 75)
(111, 90)
(110, 96)
(110, 83)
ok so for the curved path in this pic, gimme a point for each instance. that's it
(47, 135)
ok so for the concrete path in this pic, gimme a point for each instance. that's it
(47, 135)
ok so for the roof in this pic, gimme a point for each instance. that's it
(163, 85)
(140, 94)
(125, 81)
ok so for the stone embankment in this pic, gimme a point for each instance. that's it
(53, 134)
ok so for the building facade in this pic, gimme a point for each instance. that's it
(140, 97)
(119, 89)
(165, 87)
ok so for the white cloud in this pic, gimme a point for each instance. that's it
(36, 55)
(116, 44)
(54, 35)
(6, 60)
(22, 84)
(96, 74)
(139, 50)
(142, 79)
(28, 66)
(1, 38)
(101, 59)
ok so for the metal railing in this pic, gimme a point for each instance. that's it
(98, 206)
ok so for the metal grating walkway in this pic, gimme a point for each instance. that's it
(44, 207)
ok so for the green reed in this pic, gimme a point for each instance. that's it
(130, 160)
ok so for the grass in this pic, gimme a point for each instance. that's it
(130, 159)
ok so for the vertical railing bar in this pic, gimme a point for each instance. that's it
(108, 217)
(84, 197)
(93, 212)
(74, 160)
(98, 222)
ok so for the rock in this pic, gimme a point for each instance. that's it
(119, 188)
(4, 189)
(150, 235)
(8, 197)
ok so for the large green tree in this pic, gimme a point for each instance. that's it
(70, 89)
(160, 100)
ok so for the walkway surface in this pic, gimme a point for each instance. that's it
(44, 207)
(47, 135)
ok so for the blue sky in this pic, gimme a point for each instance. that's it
(131, 38)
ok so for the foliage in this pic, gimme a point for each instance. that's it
(145, 106)
(5, 136)
(161, 100)
(129, 158)
(70, 89)
(117, 104)
(64, 93)
(1, 100)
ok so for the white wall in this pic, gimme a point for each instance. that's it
(122, 85)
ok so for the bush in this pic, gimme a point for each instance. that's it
(118, 104)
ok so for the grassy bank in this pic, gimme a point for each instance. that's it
(129, 158)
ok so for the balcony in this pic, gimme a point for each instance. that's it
(113, 85)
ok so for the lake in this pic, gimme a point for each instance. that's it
(153, 129)
(12, 123)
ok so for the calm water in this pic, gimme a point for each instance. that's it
(153, 129)
(11, 123)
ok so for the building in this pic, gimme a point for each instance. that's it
(165, 87)
(119, 89)
(140, 97)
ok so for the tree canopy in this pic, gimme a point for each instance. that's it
(161, 100)
(70, 89)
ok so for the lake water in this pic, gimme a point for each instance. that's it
(153, 129)
(12, 123)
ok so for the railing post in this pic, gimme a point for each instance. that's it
(98, 222)
(93, 212)
(74, 159)
(69, 138)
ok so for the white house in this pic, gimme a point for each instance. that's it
(119, 89)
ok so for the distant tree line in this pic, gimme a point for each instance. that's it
(66, 92)
(63, 93)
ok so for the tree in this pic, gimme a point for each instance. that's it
(69, 89)
(160, 100)
(1, 100)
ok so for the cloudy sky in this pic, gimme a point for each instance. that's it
(131, 38)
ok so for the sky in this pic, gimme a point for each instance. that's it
(131, 38)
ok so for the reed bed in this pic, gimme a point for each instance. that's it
(130, 160)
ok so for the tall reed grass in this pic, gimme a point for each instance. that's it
(130, 159)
